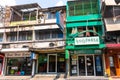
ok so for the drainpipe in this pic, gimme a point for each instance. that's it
(33, 58)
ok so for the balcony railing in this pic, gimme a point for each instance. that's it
(16, 23)
(42, 21)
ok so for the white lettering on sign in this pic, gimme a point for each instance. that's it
(87, 41)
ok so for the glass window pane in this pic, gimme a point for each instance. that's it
(1, 37)
(25, 35)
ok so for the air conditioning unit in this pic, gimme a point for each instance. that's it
(111, 38)
(26, 46)
(52, 44)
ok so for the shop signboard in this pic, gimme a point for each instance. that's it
(18, 54)
(88, 51)
(33, 55)
(87, 41)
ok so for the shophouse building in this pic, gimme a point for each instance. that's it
(111, 15)
(84, 38)
(33, 40)
(2, 10)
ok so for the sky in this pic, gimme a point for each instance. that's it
(42, 3)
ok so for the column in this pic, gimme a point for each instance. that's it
(107, 64)
(117, 65)
(33, 68)
(67, 63)
(3, 66)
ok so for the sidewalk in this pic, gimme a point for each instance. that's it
(59, 78)
(88, 78)
(114, 78)
(15, 77)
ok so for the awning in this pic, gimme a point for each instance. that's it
(100, 46)
(1, 55)
(111, 2)
(48, 50)
(112, 25)
(113, 46)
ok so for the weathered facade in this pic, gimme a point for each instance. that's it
(2, 10)
(32, 40)
(111, 15)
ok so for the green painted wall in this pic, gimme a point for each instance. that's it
(83, 13)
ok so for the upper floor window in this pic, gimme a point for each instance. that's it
(12, 36)
(50, 15)
(83, 7)
(57, 34)
(86, 31)
(49, 34)
(25, 35)
(1, 37)
(113, 11)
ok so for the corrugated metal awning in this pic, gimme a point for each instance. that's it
(112, 25)
(111, 2)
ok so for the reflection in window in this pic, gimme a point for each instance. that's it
(19, 66)
(12, 36)
(50, 34)
(25, 35)
(50, 15)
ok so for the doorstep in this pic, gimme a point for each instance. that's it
(88, 78)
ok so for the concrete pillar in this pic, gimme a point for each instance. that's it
(3, 66)
(107, 64)
(104, 64)
(33, 68)
(117, 65)
(67, 68)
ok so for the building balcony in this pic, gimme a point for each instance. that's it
(19, 23)
(32, 22)
(33, 44)
(83, 17)
(83, 7)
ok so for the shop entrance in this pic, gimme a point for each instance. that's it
(52, 63)
(86, 65)
(112, 66)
